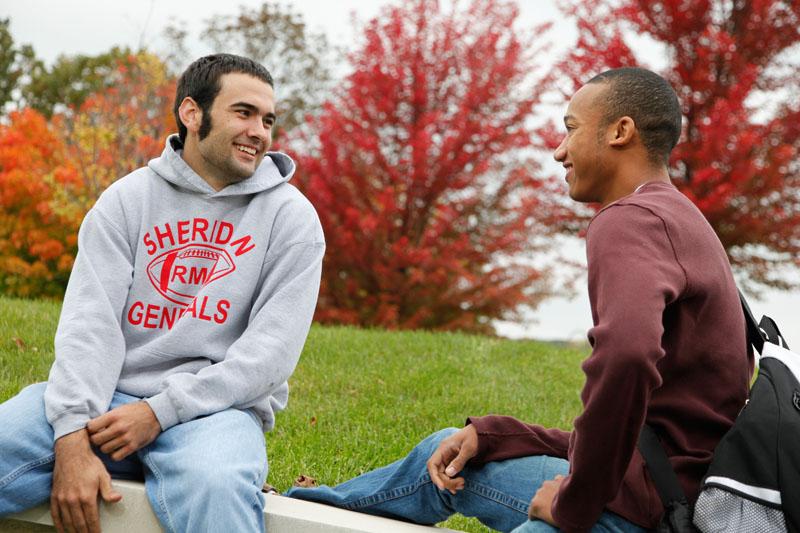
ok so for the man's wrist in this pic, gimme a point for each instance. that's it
(75, 442)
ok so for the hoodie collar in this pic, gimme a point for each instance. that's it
(275, 169)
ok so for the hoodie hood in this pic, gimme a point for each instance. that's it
(276, 168)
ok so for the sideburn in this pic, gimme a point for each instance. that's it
(205, 124)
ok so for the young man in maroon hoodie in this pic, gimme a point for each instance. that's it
(668, 349)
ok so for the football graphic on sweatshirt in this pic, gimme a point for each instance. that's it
(187, 256)
(180, 273)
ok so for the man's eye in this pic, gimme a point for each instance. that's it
(243, 112)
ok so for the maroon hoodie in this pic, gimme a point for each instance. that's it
(668, 348)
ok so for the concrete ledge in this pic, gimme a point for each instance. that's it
(281, 515)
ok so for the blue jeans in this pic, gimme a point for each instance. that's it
(497, 494)
(202, 475)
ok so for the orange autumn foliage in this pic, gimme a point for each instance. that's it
(36, 241)
(51, 173)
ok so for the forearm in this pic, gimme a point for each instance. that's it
(505, 437)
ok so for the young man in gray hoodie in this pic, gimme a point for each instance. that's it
(187, 309)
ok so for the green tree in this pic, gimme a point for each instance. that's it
(15, 62)
(71, 79)
(278, 38)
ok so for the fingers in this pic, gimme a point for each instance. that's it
(91, 516)
(436, 464)
(56, 515)
(450, 458)
(81, 513)
(435, 469)
(121, 453)
(102, 421)
(453, 485)
(68, 515)
(107, 491)
(457, 464)
(66, 518)
(542, 501)
(110, 445)
(100, 437)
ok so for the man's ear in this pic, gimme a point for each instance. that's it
(191, 115)
(622, 132)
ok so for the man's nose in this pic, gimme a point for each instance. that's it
(560, 153)
(260, 131)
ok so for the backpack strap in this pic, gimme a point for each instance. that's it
(754, 333)
(771, 333)
(664, 478)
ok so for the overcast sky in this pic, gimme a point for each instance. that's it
(92, 26)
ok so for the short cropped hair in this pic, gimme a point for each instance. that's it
(201, 82)
(650, 101)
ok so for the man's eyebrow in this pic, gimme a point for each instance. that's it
(568, 117)
(254, 109)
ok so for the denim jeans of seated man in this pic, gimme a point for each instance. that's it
(202, 475)
(498, 493)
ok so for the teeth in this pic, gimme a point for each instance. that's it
(246, 149)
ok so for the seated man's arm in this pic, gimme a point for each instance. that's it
(89, 350)
(89, 346)
(633, 275)
(265, 355)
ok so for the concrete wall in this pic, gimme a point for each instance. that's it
(281, 515)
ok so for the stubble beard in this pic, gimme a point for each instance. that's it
(220, 158)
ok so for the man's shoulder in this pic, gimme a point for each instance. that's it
(623, 216)
(658, 203)
(287, 200)
(130, 186)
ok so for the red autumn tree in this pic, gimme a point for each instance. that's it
(734, 63)
(421, 169)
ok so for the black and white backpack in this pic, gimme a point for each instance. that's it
(753, 482)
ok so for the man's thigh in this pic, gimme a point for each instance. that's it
(206, 470)
(26, 451)
(211, 442)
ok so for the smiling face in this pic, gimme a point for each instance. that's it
(583, 152)
(228, 145)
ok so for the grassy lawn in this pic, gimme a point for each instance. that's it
(362, 398)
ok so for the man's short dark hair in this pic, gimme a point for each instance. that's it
(650, 101)
(201, 82)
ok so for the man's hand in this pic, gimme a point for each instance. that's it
(451, 456)
(123, 430)
(543, 500)
(78, 476)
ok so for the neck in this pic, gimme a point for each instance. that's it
(192, 156)
(634, 176)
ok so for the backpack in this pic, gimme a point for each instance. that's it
(753, 482)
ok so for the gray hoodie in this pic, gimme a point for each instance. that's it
(194, 299)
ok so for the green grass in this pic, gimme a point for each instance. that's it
(362, 398)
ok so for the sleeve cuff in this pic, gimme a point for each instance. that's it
(68, 423)
(565, 523)
(482, 425)
(165, 412)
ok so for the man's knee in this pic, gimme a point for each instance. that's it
(432, 441)
(442, 434)
(22, 417)
(222, 482)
